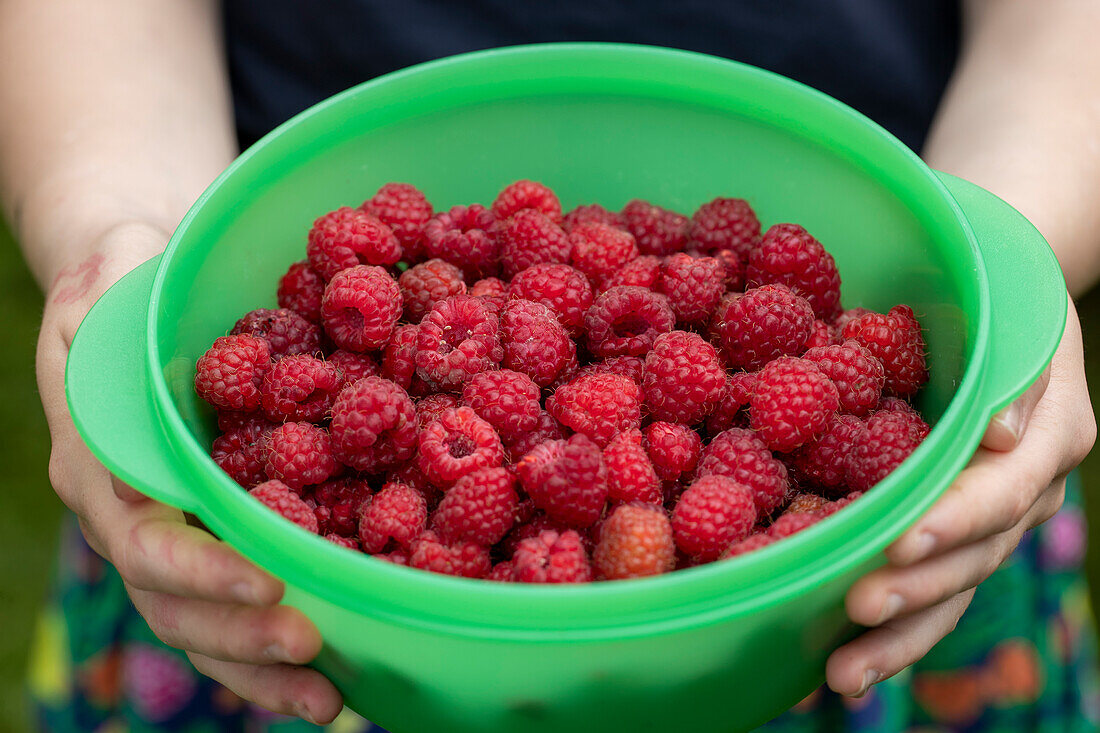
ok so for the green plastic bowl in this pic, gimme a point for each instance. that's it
(725, 646)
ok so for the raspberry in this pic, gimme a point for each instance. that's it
(501, 572)
(750, 543)
(300, 290)
(526, 194)
(399, 357)
(349, 237)
(589, 213)
(410, 474)
(725, 223)
(894, 404)
(457, 339)
(397, 557)
(462, 237)
(551, 557)
(821, 334)
(361, 307)
(630, 473)
(458, 443)
(240, 453)
(682, 379)
(824, 461)
(641, 272)
(626, 366)
(463, 559)
(279, 498)
(693, 286)
(406, 211)
(731, 412)
(353, 366)
(896, 340)
(285, 331)
(597, 405)
(857, 374)
(734, 270)
(299, 454)
(342, 500)
(229, 420)
(635, 541)
(490, 287)
(396, 515)
(601, 250)
(789, 255)
(790, 524)
(848, 315)
(428, 409)
(658, 231)
(560, 288)
(741, 455)
(546, 428)
(230, 373)
(530, 238)
(507, 400)
(373, 425)
(346, 542)
(534, 525)
(626, 320)
(479, 508)
(764, 323)
(424, 285)
(806, 504)
(299, 388)
(886, 440)
(673, 449)
(567, 479)
(535, 343)
(712, 514)
(792, 403)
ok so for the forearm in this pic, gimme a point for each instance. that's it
(1021, 117)
(113, 113)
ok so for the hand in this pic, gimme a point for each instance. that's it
(1015, 481)
(195, 592)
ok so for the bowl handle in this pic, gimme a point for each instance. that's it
(1027, 292)
(110, 399)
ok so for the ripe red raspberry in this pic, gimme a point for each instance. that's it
(601, 250)
(424, 285)
(240, 453)
(532, 526)
(348, 237)
(410, 474)
(630, 473)
(458, 443)
(886, 440)
(299, 454)
(339, 502)
(789, 524)
(551, 557)
(373, 425)
(626, 320)
(301, 289)
(285, 332)
(353, 366)
(462, 236)
(711, 515)
(597, 405)
(588, 213)
(428, 409)
(229, 420)
(725, 223)
(547, 428)
(674, 450)
(529, 238)
(894, 404)
(479, 508)
(750, 543)
(896, 340)
(501, 572)
(824, 460)
(406, 211)
(535, 343)
(396, 515)
(567, 479)
(361, 307)
(806, 503)
(821, 334)
(682, 379)
(279, 498)
(560, 288)
(658, 231)
(507, 400)
(764, 323)
(732, 408)
(857, 374)
(230, 373)
(399, 357)
(397, 557)
(299, 388)
(457, 339)
(641, 272)
(489, 287)
(693, 286)
(734, 270)
(525, 194)
(792, 403)
(635, 541)
(626, 366)
(848, 315)
(741, 455)
(462, 559)
(789, 255)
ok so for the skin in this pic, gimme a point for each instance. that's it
(117, 134)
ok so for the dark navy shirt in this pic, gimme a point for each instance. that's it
(890, 59)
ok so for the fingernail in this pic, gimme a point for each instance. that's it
(244, 592)
(890, 608)
(1010, 419)
(870, 677)
(303, 712)
(923, 546)
(277, 653)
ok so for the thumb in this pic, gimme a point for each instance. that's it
(1008, 426)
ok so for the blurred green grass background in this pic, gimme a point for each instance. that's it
(31, 512)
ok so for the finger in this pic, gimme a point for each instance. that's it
(1008, 426)
(125, 491)
(884, 651)
(281, 688)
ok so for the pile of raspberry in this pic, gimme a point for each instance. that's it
(521, 395)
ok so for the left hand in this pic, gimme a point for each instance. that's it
(1015, 481)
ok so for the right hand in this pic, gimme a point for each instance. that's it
(195, 592)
